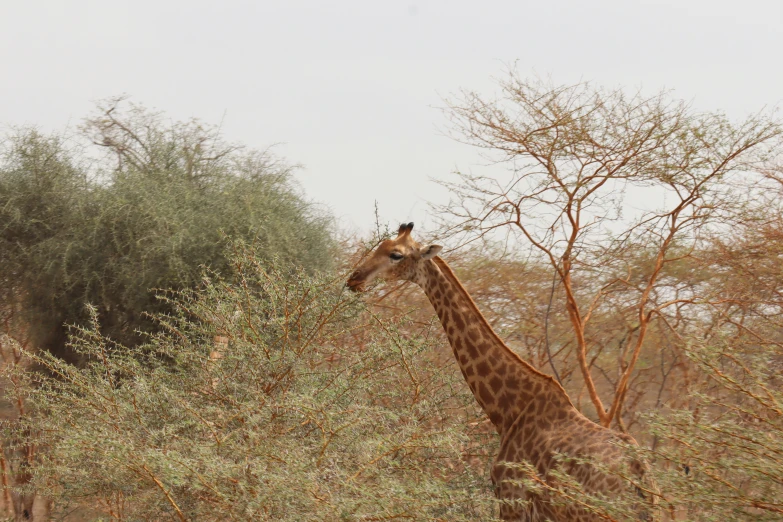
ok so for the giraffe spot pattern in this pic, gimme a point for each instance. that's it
(524, 408)
(485, 394)
(473, 335)
(459, 321)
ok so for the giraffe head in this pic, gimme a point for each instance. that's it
(393, 259)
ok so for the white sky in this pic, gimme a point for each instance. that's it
(350, 88)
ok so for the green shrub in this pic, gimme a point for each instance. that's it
(76, 227)
(262, 399)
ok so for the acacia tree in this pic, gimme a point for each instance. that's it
(573, 153)
(79, 227)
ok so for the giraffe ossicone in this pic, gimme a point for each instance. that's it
(531, 412)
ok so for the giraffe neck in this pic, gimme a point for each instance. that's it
(504, 385)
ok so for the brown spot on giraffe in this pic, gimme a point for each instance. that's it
(459, 322)
(531, 412)
(487, 398)
(472, 349)
(496, 383)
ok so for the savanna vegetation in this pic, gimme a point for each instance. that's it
(178, 343)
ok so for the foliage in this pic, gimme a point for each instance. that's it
(158, 205)
(266, 399)
(723, 459)
(269, 393)
(728, 434)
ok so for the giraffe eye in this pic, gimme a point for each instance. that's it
(396, 256)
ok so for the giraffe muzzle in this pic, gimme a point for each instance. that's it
(355, 282)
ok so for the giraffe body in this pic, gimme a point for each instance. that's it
(530, 411)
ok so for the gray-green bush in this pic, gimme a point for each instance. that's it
(722, 459)
(264, 399)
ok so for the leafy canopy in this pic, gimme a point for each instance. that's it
(144, 205)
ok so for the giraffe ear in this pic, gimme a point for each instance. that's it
(428, 252)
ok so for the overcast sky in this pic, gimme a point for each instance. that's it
(350, 89)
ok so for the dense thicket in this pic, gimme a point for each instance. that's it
(143, 206)
(277, 400)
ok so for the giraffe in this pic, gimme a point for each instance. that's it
(530, 411)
